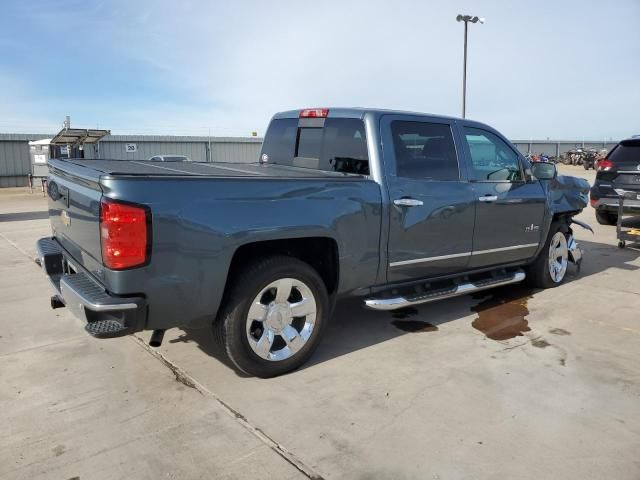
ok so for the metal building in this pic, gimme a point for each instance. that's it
(198, 149)
(15, 163)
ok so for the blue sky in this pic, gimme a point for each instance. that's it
(537, 69)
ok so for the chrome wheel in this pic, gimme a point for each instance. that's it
(558, 257)
(281, 319)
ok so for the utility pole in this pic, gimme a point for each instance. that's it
(466, 19)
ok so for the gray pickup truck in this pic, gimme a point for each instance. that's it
(396, 208)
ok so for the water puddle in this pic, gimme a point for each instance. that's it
(503, 313)
(413, 326)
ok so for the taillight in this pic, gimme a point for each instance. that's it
(314, 113)
(124, 234)
(593, 202)
(604, 165)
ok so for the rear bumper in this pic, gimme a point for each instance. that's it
(610, 203)
(106, 316)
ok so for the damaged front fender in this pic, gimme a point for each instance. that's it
(586, 226)
(568, 194)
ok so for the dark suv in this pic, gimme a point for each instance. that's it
(619, 170)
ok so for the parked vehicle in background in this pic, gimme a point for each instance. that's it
(619, 171)
(170, 158)
(601, 155)
(589, 159)
(396, 208)
(576, 157)
(537, 158)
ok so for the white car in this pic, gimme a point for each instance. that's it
(170, 158)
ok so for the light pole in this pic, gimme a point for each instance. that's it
(466, 19)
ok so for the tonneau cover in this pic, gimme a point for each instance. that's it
(147, 168)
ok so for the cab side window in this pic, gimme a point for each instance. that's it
(424, 151)
(492, 160)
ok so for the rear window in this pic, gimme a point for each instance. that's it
(339, 146)
(626, 152)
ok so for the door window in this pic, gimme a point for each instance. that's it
(424, 151)
(492, 159)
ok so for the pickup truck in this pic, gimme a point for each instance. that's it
(396, 208)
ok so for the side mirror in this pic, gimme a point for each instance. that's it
(544, 170)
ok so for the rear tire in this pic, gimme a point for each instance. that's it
(550, 267)
(258, 325)
(606, 218)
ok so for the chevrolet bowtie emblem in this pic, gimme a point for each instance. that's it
(66, 219)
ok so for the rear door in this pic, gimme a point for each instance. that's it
(510, 208)
(432, 205)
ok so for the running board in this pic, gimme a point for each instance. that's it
(393, 303)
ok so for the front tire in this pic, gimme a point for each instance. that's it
(273, 316)
(606, 218)
(550, 267)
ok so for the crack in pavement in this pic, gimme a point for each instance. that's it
(17, 247)
(186, 379)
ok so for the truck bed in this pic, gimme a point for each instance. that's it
(154, 169)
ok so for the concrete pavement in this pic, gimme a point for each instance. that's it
(72, 406)
(383, 397)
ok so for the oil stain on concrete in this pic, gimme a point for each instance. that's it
(559, 331)
(503, 313)
(540, 343)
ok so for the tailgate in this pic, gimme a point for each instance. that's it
(74, 210)
(627, 180)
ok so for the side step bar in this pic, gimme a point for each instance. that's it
(393, 303)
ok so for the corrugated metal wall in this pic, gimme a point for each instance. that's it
(115, 147)
(15, 164)
(223, 149)
(241, 152)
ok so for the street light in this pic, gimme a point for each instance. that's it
(466, 19)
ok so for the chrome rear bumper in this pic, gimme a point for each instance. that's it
(106, 315)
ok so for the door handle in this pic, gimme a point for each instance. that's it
(488, 198)
(408, 202)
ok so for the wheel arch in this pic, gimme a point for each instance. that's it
(321, 253)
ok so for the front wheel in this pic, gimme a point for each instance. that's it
(273, 316)
(550, 268)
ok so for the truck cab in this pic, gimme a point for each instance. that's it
(458, 195)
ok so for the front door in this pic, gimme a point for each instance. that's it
(509, 208)
(432, 206)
